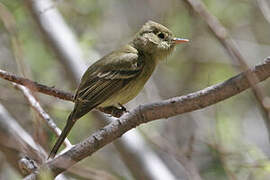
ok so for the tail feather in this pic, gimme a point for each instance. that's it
(62, 137)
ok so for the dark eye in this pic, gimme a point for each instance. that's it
(161, 35)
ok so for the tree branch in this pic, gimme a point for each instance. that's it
(15, 140)
(34, 103)
(34, 86)
(265, 8)
(221, 33)
(149, 112)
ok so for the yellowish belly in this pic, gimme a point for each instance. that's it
(131, 90)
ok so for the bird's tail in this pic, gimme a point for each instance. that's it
(62, 137)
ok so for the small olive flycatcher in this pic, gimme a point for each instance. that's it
(119, 76)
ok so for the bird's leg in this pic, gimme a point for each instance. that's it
(113, 110)
(123, 108)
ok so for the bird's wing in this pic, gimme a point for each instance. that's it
(102, 81)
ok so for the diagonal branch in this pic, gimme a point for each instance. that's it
(149, 112)
(265, 8)
(34, 86)
(15, 140)
(34, 103)
(221, 33)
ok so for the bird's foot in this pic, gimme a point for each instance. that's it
(114, 111)
(123, 108)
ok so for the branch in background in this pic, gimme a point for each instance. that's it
(40, 111)
(218, 30)
(59, 37)
(34, 86)
(149, 112)
(11, 145)
(10, 24)
(14, 140)
(265, 8)
(230, 45)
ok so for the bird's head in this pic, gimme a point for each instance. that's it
(156, 40)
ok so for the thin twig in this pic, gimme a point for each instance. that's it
(265, 8)
(15, 138)
(34, 86)
(149, 112)
(34, 103)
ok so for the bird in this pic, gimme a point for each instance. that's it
(119, 76)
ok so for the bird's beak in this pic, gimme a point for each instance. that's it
(179, 40)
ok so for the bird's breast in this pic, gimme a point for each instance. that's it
(133, 87)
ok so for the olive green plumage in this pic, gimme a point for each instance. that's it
(119, 76)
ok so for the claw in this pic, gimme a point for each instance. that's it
(123, 108)
(114, 111)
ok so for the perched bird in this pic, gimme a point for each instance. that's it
(119, 76)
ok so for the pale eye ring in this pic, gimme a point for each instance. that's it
(161, 35)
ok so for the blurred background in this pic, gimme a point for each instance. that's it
(40, 39)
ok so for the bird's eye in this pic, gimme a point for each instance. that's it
(161, 35)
